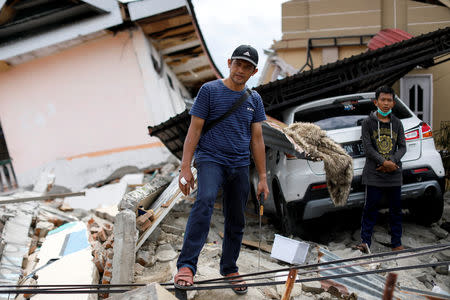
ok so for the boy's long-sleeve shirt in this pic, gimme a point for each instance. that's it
(382, 141)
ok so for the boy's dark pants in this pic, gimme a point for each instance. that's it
(370, 212)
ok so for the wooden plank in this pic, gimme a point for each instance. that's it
(390, 286)
(264, 247)
(150, 28)
(172, 32)
(176, 40)
(290, 284)
(46, 197)
(162, 207)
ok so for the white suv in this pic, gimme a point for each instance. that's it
(298, 188)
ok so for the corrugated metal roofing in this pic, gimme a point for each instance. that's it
(359, 73)
(388, 37)
(367, 286)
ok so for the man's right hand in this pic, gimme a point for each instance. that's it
(188, 183)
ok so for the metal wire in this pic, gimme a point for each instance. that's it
(325, 269)
(298, 267)
(228, 282)
(353, 274)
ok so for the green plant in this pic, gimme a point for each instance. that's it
(442, 139)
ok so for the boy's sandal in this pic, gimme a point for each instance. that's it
(184, 274)
(242, 288)
(361, 247)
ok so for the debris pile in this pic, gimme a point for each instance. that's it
(138, 239)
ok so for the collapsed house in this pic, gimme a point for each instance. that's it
(81, 79)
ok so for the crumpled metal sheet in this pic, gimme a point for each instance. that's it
(367, 286)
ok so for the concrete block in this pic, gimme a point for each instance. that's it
(143, 257)
(125, 237)
(152, 291)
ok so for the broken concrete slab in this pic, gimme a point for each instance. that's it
(44, 182)
(16, 243)
(106, 195)
(108, 213)
(144, 195)
(68, 247)
(133, 179)
(43, 227)
(49, 213)
(152, 291)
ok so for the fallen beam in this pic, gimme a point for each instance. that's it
(40, 198)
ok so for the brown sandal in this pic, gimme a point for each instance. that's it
(184, 274)
(242, 288)
(363, 247)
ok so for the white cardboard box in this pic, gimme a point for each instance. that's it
(289, 250)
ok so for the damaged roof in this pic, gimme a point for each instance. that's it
(173, 29)
(359, 73)
(33, 28)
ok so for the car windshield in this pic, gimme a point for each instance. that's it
(344, 113)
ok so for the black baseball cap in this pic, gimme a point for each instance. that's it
(246, 52)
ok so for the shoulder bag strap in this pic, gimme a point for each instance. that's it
(235, 106)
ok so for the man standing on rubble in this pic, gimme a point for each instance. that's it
(222, 159)
(384, 143)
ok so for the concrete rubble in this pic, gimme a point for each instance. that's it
(111, 252)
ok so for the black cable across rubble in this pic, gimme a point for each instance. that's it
(221, 283)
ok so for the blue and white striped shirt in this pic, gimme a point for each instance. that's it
(228, 142)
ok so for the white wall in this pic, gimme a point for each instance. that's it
(96, 98)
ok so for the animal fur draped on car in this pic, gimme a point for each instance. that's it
(338, 164)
